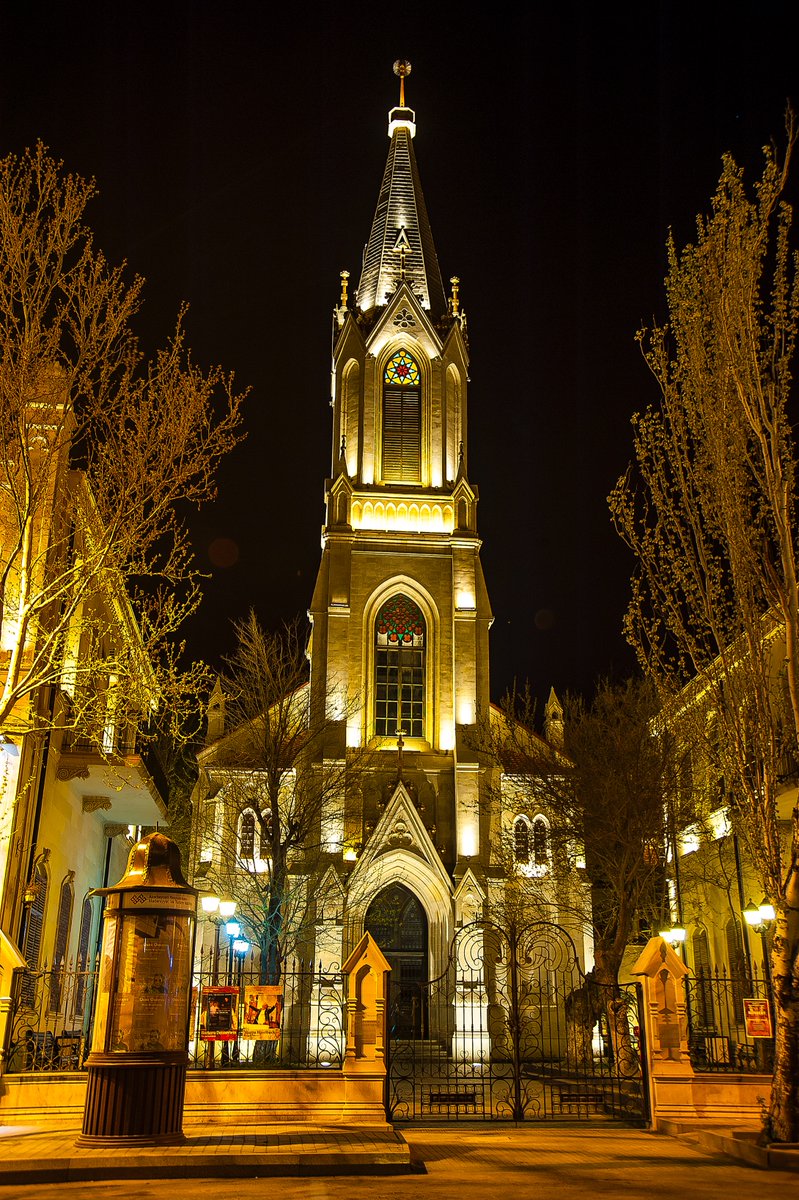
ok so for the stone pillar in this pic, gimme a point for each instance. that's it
(364, 1068)
(664, 1016)
(10, 961)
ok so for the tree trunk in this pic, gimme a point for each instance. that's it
(784, 1110)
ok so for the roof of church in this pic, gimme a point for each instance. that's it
(401, 242)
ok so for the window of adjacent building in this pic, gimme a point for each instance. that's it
(737, 967)
(703, 987)
(62, 928)
(34, 926)
(399, 669)
(402, 420)
(83, 965)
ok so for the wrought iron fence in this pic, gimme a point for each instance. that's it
(728, 1013)
(297, 1022)
(50, 1022)
(49, 1026)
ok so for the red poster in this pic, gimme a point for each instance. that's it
(758, 1019)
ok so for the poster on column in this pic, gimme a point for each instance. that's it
(263, 1008)
(758, 1019)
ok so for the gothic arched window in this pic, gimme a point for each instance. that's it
(402, 419)
(521, 840)
(247, 835)
(540, 843)
(399, 669)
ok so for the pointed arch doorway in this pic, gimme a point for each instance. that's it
(398, 923)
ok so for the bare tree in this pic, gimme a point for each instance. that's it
(613, 797)
(103, 455)
(275, 816)
(708, 510)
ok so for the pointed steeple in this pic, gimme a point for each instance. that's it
(400, 246)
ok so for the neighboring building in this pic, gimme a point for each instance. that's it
(75, 780)
(712, 876)
(399, 651)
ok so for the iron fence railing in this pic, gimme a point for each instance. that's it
(236, 1020)
(49, 1026)
(724, 1026)
(240, 1018)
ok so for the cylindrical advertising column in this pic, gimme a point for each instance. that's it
(137, 1066)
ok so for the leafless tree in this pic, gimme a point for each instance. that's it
(275, 817)
(613, 797)
(103, 455)
(708, 509)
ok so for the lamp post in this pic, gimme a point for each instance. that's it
(760, 918)
(237, 949)
(217, 911)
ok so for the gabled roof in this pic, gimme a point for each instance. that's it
(401, 242)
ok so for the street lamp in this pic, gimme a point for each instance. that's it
(217, 911)
(675, 935)
(760, 918)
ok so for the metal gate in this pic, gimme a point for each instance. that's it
(514, 1030)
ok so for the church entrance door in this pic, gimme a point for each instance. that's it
(398, 923)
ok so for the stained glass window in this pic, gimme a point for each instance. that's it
(399, 669)
(402, 370)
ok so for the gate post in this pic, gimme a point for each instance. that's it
(664, 1014)
(364, 1066)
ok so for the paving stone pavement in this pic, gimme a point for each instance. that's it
(453, 1162)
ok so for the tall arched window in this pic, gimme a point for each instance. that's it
(521, 840)
(402, 419)
(399, 669)
(247, 835)
(83, 956)
(60, 945)
(34, 925)
(703, 988)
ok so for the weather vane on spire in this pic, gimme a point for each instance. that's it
(402, 68)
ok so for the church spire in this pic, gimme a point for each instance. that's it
(400, 246)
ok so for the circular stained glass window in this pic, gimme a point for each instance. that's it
(402, 370)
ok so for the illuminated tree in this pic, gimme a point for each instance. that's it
(613, 798)
(103, 455)
(708, 509)
(271, 814)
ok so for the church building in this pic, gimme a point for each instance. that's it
(400, 617)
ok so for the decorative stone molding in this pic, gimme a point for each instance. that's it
(92, 804)
(404, 319)
(77, 769)
(114, 828)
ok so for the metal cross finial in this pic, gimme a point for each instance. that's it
(455, 281)
(344, 275)
(402, 68)
(400, 746)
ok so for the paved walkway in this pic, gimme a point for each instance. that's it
(35, 1154)
(598, 1157)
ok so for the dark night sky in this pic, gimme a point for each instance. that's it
(239, 154)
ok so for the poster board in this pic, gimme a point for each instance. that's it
(263, 1009)
(219, 1014)
(757, 1014)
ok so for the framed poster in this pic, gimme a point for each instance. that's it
(263, 1008)
(757, 1015)
(219, 1014)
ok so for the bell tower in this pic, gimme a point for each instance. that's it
(400, 611)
